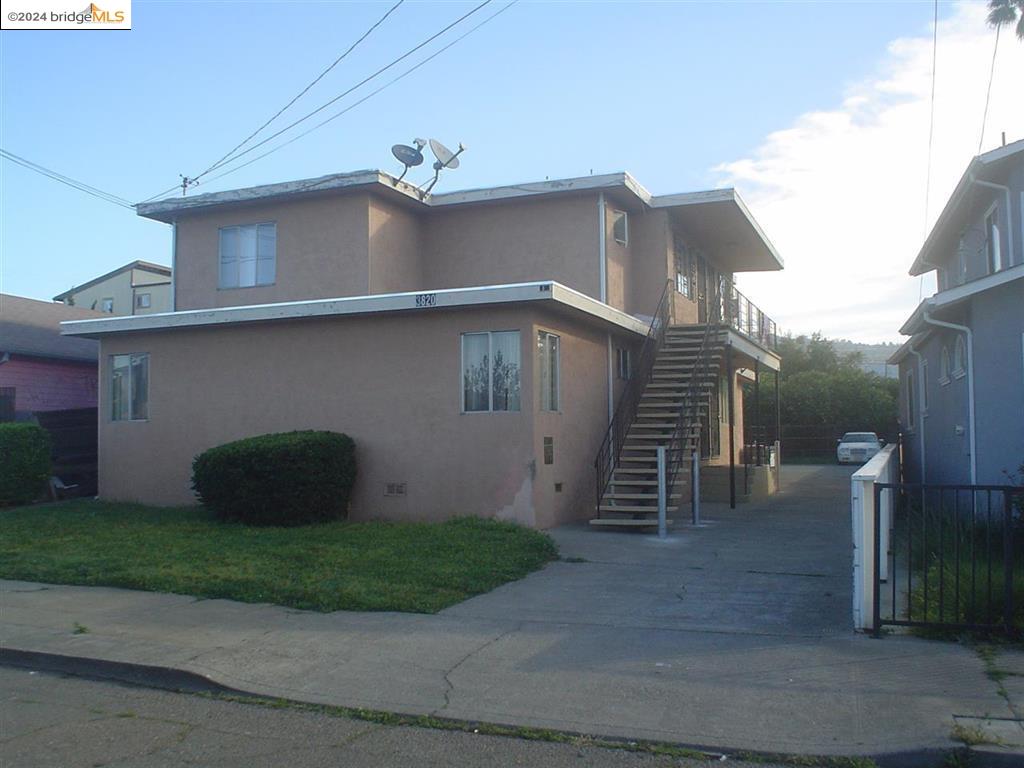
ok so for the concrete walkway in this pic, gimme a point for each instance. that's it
(736, 635)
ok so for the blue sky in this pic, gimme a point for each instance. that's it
(673, 92)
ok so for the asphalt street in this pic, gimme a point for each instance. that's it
(50, 720)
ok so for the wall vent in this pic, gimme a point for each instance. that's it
(394, 489)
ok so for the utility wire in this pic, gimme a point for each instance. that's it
(341, 95)
(316, 80)
(81, 186)
(369, 95)
(988, 93)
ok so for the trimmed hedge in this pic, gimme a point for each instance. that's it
(289, 478)
(24, 462)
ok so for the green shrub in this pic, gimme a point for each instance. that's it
(24, 462)
(290, 478)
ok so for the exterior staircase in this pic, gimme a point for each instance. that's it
(670, 410)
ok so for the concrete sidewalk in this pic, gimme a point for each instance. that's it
(736, 635)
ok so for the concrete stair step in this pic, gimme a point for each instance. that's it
(625, 521)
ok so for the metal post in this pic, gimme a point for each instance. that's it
(1008, 561)
(757, 412)
(695, 486)
(730, 384)
(662, 494)
(778, 409)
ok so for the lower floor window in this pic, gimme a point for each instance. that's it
(129, 383)
(490, 371)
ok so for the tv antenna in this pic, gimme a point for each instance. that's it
(408, 156)
(445, 159)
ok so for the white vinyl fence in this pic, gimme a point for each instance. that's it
(882, 468)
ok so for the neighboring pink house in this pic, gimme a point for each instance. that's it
(41, 370)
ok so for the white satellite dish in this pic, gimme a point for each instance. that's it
(445, 157)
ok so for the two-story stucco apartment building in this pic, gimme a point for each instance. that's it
(962, 369)
(476, 344)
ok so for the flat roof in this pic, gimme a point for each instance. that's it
(411, 301)
(719, 212)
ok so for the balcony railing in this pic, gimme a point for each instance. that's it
(742, 315)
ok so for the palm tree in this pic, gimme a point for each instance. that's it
(1007, 12)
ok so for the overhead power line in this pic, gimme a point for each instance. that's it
(988, 93)
(315, 80)
(931, 133)
(81, 186)
(368, 96)
(346, 92)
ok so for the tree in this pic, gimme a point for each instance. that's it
(1007, 12)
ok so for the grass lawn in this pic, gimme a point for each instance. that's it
(415, 567)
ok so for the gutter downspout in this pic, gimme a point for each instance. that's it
(174, 270)
(1009, 214)
(602, 246)
(920, 406)
(970, 384)
(602, 254)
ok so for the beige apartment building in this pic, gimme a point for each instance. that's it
(514, 352)
(136, 288)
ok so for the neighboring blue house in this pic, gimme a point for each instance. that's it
(962, 370)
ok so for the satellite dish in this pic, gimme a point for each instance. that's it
(408, 156)
(445, 157)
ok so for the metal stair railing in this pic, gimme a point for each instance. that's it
(608, 454)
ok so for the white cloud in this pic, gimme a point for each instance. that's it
(842, 192)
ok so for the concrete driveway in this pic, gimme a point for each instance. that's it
(779, 568)
(736, 635)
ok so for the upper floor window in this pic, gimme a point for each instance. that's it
(686, 270)
(107, 305)
(959, 357)
(143, 301)
(992, 244)
(129, 387)
(620, 227)
(548, 351)
(490, 371)
(944, 365)
(624, 368)
(248, 255)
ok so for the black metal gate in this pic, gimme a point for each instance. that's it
(953, 559)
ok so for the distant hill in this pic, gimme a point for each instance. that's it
(873, 356)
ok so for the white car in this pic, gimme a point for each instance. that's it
(858, 447)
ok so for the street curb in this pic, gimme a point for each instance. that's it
(182, 681)
(143, 675)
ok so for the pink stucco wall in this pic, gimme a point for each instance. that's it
(49, 385)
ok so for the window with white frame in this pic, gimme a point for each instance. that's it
(490, 371)
(620, 227)
(143, 301)
(549, 366)
(625, 371)
(248, 255)
(944, 365)
(959, 357)
(992, 244)
(107, 305)
(911, 399)
(129, 387)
